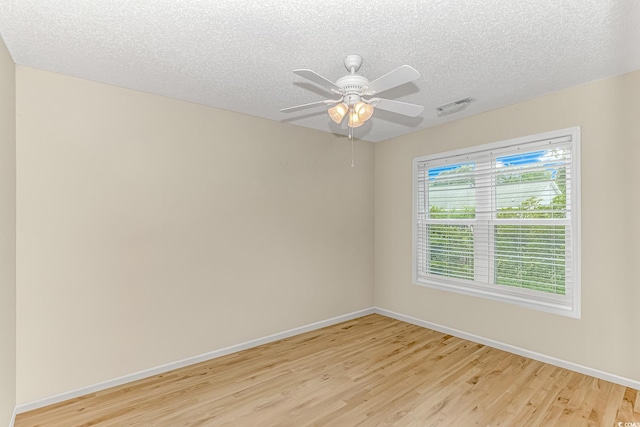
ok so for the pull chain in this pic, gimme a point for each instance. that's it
(353, 165)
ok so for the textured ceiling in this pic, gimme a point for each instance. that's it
(239, 55)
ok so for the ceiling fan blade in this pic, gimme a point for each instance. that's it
(404, 108)
(397, 77)
(318, 79)
(311, 104)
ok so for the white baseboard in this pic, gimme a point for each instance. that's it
(36, 404)
(12, 421)
(627, 382)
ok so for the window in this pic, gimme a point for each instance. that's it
(502, 221)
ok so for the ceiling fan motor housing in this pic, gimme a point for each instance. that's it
(352, 87)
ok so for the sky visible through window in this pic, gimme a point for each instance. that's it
(543, 156)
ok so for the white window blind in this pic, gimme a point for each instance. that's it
(502, 221)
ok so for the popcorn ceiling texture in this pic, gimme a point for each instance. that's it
(239, 55)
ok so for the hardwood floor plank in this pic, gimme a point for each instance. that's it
(371, 371)
(626, 412)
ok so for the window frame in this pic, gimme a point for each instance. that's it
(537, 300)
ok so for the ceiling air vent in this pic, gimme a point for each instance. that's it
(453, 107)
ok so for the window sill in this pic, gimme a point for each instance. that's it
(560, 308)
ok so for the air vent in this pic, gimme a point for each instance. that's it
(453, 107)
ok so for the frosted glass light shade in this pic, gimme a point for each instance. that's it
(354, 119)
(363, 110)
(338, 112)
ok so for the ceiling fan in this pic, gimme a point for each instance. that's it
(353, 89)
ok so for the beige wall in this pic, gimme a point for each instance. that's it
(7, 235)
(607, 336)
(151, 230)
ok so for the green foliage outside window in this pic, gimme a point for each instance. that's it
(525, 256)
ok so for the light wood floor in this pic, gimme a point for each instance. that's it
(366, 372)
